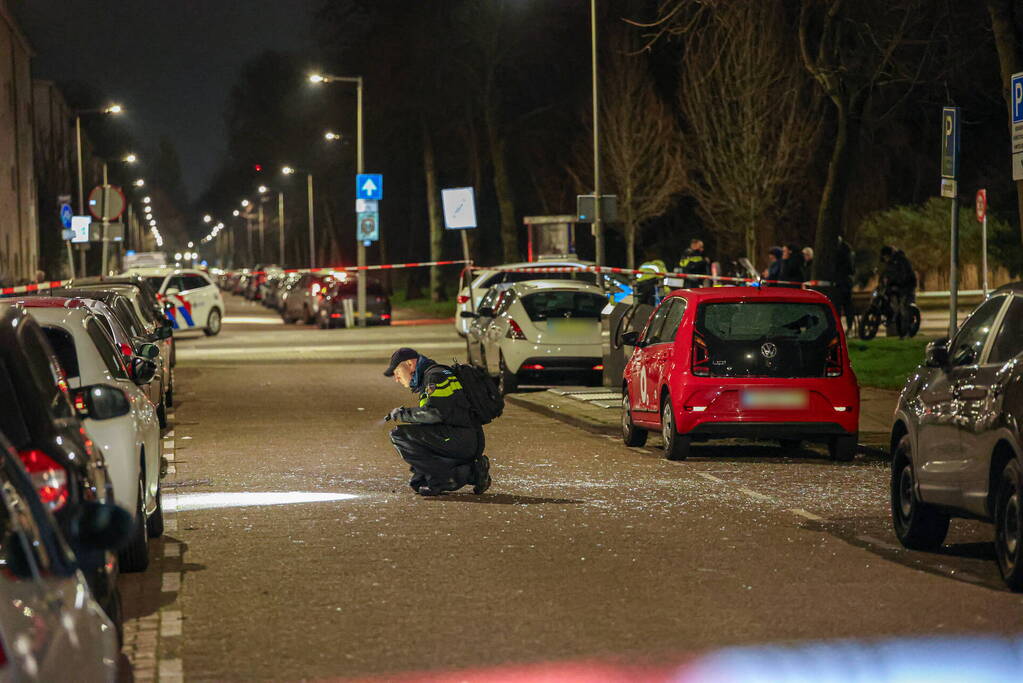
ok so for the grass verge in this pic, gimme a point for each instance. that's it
(886, 362)
(424, 307)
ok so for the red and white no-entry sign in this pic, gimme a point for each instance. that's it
(981, 205)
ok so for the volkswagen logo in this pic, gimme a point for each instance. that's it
(768, 350)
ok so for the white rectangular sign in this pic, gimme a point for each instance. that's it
(1017, 166)
(80, 229)
(459, 208)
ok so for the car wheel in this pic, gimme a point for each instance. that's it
(631, 434)
(842, 448)
(154, 525)
(1009, 525)
(676, 446)
(914, 320)
(870, 323)
(161, 413)
(115, 611)
(790, 444)
(507, 382)
(917, 525)
(213, 323)
(135, 556)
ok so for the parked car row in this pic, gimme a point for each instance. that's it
(86, 378)
(325, 299)
(772, 363)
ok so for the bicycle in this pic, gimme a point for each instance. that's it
(880, 311)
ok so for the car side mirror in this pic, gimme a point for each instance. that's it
(485, 312)
(936, 355)
(148, 351)
(101, 402)
(164, 331)
(103, 526)
(171, 291)
(142, 371)
(630, 339)
(469, 314)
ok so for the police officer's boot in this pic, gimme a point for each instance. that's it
(481, 474)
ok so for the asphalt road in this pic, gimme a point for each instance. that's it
(582, 548)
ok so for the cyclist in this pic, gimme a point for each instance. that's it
(898, 284)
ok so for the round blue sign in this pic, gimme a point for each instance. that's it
(65, 215)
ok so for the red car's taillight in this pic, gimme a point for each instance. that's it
(463, 299)
(833, 361)
(49, 477)
(514, 331)
(701, 357)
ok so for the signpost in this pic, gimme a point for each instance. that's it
(460, 213)
(981, 209)
(369, 187)
(80, 227)
(586, 208)
(949, 188)
(64, 202)
(1017, 126)
(106, 204)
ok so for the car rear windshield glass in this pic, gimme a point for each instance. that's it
(765, 338)
(550, 305)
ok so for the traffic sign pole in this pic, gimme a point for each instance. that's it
(950, 188)
(982, 217)
(106, 221)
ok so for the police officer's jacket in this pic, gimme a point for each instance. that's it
(441, 397)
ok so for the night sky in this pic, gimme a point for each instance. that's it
(170, 63)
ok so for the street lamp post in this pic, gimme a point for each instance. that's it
(112, 109)
(360, 246)
(598, 226)
(280, 224)
(290, 170)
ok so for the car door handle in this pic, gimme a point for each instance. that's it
(970, 393)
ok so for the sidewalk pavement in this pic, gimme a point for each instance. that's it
(599, 410)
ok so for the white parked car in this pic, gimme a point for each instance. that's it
(198, 304)
(483, 280)
(131, 444)
(538, 330)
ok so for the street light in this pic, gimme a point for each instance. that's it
(236, 213)
(130, 158)
(113, 109)
(191, 244)
(331, 136)
(290, 170)
(245, 202)
(360, 245)
(147, 200)
(207, 218)
(263, 189)
(139, 183)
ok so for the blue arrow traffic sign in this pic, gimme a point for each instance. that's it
(369, 186)
(65, 215)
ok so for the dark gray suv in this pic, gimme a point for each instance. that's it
(956, 441)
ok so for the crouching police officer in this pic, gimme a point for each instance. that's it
(442, 441)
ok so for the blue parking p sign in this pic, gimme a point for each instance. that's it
(369, 186)
(1017, 98)
(950, 143)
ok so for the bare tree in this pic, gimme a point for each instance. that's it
(749, 123)
(641, 146)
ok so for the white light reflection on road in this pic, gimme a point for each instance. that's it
(209, 501)
(252, 320)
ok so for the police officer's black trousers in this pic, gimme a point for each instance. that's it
(440, 455)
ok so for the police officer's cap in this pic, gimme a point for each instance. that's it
(400, 356)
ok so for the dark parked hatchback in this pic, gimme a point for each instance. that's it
(956, 439)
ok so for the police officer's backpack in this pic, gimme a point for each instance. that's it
(485, 399)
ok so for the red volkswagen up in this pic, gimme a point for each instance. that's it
(751, 362)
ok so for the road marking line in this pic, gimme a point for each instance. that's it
(711, 477)
(756, 496)
(170, 503)
(170, 525)
(170, 434)
(809, 515)
(172, 549)
(171, 671)
(168, 444)
(170, 623)
(171, 582)
(171, 469)
(169, 455)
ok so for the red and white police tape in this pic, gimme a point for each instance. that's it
(36, 287)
